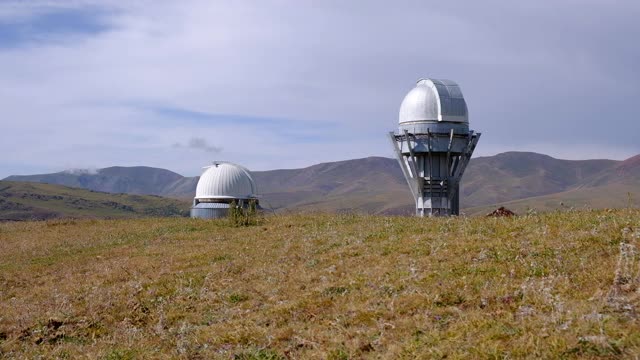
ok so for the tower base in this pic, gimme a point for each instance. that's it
(433, 164)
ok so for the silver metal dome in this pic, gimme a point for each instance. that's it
(434, 101)
(224, 180)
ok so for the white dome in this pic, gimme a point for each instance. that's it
(224, 180)
(434, 100)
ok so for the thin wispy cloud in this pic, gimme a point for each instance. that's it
(199, 143)
(87, 171)
(301, 83)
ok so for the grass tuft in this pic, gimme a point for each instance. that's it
(259, 355)
(237, 298)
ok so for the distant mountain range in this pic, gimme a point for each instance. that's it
(376, 185)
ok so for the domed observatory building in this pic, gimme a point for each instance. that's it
(433, 145)
(221, 184)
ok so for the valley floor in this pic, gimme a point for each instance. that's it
(323, 286)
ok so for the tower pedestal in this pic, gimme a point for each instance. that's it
(433, 164)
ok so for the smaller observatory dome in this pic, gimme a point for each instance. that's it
(434, 101)
(224, 180)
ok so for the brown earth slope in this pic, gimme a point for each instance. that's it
(34, 201)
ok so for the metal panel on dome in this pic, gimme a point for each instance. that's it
(420, 104)
(434, 100)
(445, 82)
(452, 105)
(254, 188)
(225, 180)
(454, 92)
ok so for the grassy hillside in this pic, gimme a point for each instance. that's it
(35, 201)
(558, 285)
(600, 197)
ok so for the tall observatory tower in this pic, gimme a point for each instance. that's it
(433, 145)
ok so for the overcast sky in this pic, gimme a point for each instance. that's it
(283, 84)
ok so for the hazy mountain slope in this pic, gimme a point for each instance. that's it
(368, 185)
(27, 201)
(117, 179)
(376, 185)
(626, 172)
(337, 177)
(518, 175)
(183, 188)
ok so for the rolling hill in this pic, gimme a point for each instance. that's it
(35, 201)
(617, 186)
(371, 185)
(514, 175)
(625, 172)
(376, 185)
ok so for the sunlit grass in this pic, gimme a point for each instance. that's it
(322, 286)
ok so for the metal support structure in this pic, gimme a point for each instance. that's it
(449, 153)
(402, 163)
(433, 164)
(466, 156)
(430, 172)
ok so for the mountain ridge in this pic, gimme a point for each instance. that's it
(375, 184)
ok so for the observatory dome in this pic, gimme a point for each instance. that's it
(434, 101)
(224, 180)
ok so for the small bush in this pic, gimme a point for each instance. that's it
(118, 354)
(239, 216)
(338, 354)
(237, 298)
(335, 290)
(259, 355)
(449, 299)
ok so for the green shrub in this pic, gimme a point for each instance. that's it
(239, 216)
(259, 355)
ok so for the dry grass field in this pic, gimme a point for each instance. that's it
(555, 285)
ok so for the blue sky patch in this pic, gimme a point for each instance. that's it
(57, 24)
